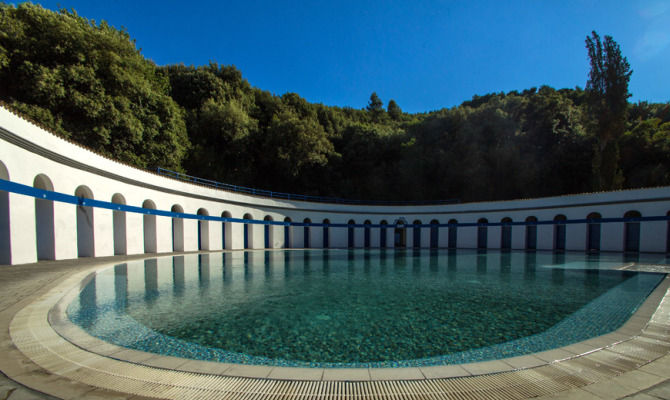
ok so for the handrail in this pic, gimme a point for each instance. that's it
(291, 196)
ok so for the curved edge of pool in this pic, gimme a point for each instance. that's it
(43, 333)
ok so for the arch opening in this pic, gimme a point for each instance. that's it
(366, 233)
(226, 231)
(326, 233)
(248, 232)
(434, 234)
(531, 233)
(149, 228)
(177, 229)
(119, 226)
(268, 233)
(85, 223)
(559, 232)
(506, 233)
(203, 230)
(416, 234)
(631, 234)
(44, 221)
(305, 233)
(482, 233)
(453, 234)
(593, 232)
(382, 234)
(350, 234)
(287, 233)
(400, 234)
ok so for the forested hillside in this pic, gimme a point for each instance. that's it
(88, 82)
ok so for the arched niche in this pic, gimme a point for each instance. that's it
(268, 238)
(149, 227)
(452, 232)
(44, 220)
(593, 231)
(400, 234)
(366, 233)
(119, 226)
(85, 223)
(226, 231)
(351, 236)
(434, 234)
(631, 233)
(177, 228)
(203, 230)
(305, 233)
(382, 233)
(287, 233)
(506, 233)
(559, 232)
(482, 233)
(531, 233)
(248, 232)
(326, 233)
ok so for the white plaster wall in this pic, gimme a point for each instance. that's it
(24, 165)
(518, 237)
(611, 236)
(545, 237)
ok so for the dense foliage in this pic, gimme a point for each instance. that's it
(88, 82)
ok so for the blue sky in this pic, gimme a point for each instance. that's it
(425, 55)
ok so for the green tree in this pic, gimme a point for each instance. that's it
(607, 99)
(88, 82)
(375, 104)
(394, 110)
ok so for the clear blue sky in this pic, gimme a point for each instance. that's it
(424, 54)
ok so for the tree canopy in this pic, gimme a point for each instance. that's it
(88, 82)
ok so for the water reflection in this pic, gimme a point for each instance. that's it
(186, 290)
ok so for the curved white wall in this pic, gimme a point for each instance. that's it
(33, 157)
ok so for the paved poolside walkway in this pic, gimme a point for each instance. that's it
(19, 286)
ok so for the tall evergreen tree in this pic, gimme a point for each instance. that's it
(607, 99)
(394, 110)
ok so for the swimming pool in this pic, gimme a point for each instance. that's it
(360, 308)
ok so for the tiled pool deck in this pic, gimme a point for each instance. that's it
(634, 360)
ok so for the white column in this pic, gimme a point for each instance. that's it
(575, 237)
(237, 235)
(258, 236)
(103, 232)
(134, 233)
(467, 237)
(22, 233)
(494, 237)
(653, 236)
(545, 237)
(611, 236)
(163, 234)
(215, 235)
(65, 222)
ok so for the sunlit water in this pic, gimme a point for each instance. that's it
(361, 308)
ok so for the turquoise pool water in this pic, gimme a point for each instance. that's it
(360, 308)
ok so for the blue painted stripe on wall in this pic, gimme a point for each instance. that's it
(21, 189)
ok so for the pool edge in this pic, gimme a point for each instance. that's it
(46, 343)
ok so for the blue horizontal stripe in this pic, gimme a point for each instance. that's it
(18, 188)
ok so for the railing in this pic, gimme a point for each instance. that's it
(290, 196)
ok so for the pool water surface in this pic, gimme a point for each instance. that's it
(360, 308)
